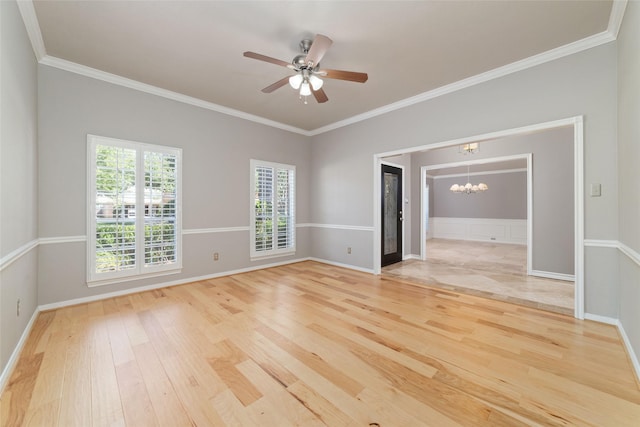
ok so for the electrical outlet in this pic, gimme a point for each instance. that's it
(216, 256)
(349, 250)
(18, 308)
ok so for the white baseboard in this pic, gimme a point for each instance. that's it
(11, 364)
(339, 264)
(625, 338)
(183, 281)
(601, 319)
(411, 256)
(551, 275)
(630, 352)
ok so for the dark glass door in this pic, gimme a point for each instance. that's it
(391, 232)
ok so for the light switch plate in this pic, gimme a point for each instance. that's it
(596, 190)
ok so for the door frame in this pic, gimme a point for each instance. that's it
(404, 197)
(577, 122)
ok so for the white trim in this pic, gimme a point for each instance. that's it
(215, 230)
(630, 253)
(625, 338)
(292, 181)
(141, 276)
(632, 354)
(514, 67)
(615, 17)
(16, 254)
(33, 29)
(578, 212)
(571, 121)
(103, 296)
(529, 213)
(601, 243)
(552, 275)
(411, 256)
(64, 239)
(339, 264)
(424, 214)
(601, 319)
(495, 172)
(340, 227)
(32, 26)
(83, 70)
(140, 269)
(182, 281)
(13, 359)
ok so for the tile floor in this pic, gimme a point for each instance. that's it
(493, 270)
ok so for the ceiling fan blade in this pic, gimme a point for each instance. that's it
(277, 85)
(320, 96)
(351, 76)
(264, 58)
(319, 47)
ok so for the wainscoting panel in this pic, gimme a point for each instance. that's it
(480, 229)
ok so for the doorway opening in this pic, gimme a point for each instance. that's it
(420, 228)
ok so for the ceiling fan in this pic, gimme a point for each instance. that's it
(307, 67)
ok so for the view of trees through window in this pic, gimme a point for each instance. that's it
(134, 224)
(274, 208)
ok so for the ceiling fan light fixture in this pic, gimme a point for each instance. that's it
(305, 89)
(316, 82)
(295, 81)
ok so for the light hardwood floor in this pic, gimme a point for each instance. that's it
(309, 344)
(492, 270)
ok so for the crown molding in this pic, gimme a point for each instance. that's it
(33, 29)
(493, 172)
(615, 18)
(73, 67)
(30, 19)
(532, 61)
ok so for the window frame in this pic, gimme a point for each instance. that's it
(140, 270)
(274, 251)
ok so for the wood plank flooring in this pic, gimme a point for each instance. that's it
(310, 344)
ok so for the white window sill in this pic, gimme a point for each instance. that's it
(272, 255)
(114, 280)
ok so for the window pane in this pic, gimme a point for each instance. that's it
(136, 224)
(285, 202)
(263, 208)
(115, 226)
(273, 216)
(159, 208)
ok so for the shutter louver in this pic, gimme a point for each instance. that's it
(273, 216)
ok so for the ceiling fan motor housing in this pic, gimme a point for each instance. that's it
(300, 61)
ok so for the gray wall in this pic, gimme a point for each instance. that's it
(216, 153)
(628, 177)
(581, 84)
(505, 199)
(553, 188)
(18, 178)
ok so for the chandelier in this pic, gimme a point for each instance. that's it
(469, 188)
(470, 148)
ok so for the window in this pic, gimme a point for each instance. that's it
(134, 210)
(273, 209)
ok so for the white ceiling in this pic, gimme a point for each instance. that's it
(408, 48)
